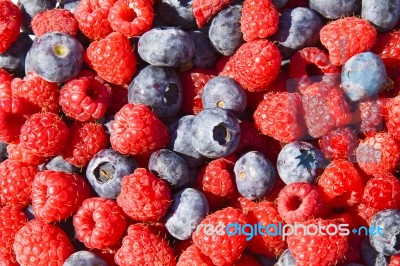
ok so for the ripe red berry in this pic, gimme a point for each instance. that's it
(193, 256)
(10, 21)
(61, 20)
(382, 192)
(371, 116)
(339, 143)
(17, 153)
(204, 10)
(392, 116)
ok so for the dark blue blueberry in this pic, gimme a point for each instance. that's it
(383, 14)
(300, 161)
(335, 9)
(370, 256)
(159, 88)
(225, 33)
(84, 258)
(266, 261)
(354, 264)
(204, 54)
(255, 175)
(70, 5)
(224, 92)
(31, 8)
(105, 171)
(169, 166)
(188, 209)
(170, 47)
(181, 141)
(3, 151)
(363, 76)
(56, 57)
(59, 164)
(286, 259)
(13, 59)
(177, 13)
(68, 227)
(215, 132)
(106, 122)
(280, 3)
(298, 28)
(387, 243)
(28, 211)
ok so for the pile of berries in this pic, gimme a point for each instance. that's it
(141, 132)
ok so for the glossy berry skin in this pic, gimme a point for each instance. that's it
(82, 258)
(176, 13)
(14, 58)
(10, 21)
(286, 259)
(384, 15)
(17, 153)
(370, 255)
(60, 20)
(59, 164)
(193, 256)
(204, 10)
(388, 220)
(335, 9)
(339, 143)
(204, 54)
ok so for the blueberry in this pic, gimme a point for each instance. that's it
(363, 76)
(176, 12)
(300, 161)
(105, 171)
(370, 256)
(28, 211)
(3, 151)
(171, 47)
(59, 164)
(159, 88)
(169, 166)
(335, 9)
(224, 92)
(298, 28)
(31, 8)
(56, 57)
(215, 132)
(255, 175)
(280, 3)
(383, 14)
(388, 242)
(286, 259)
(13, 59)
(204, 54)
(106, 122)
(225, 33)
(84, 258)
(188, 209)
(181, 141)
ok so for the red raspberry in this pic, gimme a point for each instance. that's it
(193, 82)
(259, 19)
(392, 116)
(382, 192)
(247, 260)
(280, 116)
(252, 140)
(44, 134)
(16, 183)
(242, 203)
(11, 220)
(137, 130)
(299, 202)
(99, 223)
(112, 58)
(39, 243)
(204, 10)
(254, 65)
(387, 47)
(378, 154)
(144, 197)
(266, 213)
(119, 97)
(339, 143)
(5, 76)
(61, 20)
(340, 185)
(325, 107)
(10, 126)
(131, 17)
(319, 249)
(10, 21)
(58, 195)
(192, 256)
(347, 37)
(222, 249)
(43, 95)
(143, 247)
(394, 260)
(92, 16)
(371, 113)
(22, 155)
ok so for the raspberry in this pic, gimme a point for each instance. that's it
(254, 65)
(92, 16)
(319, 249)
(266, 213)
(259, 19)
(85, 98)
(387, 47)
(251, 139)
(347, 37)
(280, 116)
(5, 76)
(325, 107)
(10, 21)
(43, 95)
(61, 20)
(299, 202)
(131, 17)
(39, 243)
(382, 192)
(242, 203)
(112, 58)
(192, 256)
(119, 97)
(371, 113)
(394, 260)
(10, 126)
(339, 143)
(58, 195)
(247, 260)
(137, 130)
(143, 196)
(204, 10)
(222, 249)
(378, 154)
(16, 183)
(11, 220)
(22, 155)
(142, 247)
(340, 185)
(392, 116)
(99, 223)
(44, 134)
